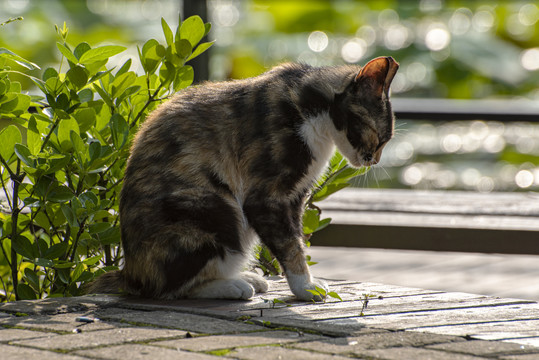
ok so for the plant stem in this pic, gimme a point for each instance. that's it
(14, 221)
(46, 140)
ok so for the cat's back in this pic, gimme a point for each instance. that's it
(205, 113)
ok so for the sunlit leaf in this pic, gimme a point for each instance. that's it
(5, 53)
(8, 138)
(67, 53)
(193, 30)
(100, 53)
(169, 36)
(200, 49)
(24, 154)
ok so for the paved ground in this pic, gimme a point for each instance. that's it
(514, 276)
(398, 323)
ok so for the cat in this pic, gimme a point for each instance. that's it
(221, 165)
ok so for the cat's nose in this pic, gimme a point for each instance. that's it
(370, 160)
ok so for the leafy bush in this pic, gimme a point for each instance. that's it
(63, 155)
(62, 163)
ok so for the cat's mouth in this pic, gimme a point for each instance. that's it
(369, 159)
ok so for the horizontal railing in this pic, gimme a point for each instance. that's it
(452, 110)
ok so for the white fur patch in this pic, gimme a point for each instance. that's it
(316, 131)
(225, 289)
(300, 283)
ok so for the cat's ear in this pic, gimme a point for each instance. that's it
(378, 74)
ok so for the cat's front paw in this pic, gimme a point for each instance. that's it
(258, 282)
(300, 284)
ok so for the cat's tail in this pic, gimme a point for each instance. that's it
(108, 283)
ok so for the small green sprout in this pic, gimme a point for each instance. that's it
(323, 294)
(365, 301)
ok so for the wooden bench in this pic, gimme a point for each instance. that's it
(432, 220)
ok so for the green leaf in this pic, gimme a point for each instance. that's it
(99, 227)
(77, 271)
(85, 118)
(49, 73)
(151, 55)
(85, 95)
(167, 73)
(7, 54)
(85, 276)
(183, 48)
(43, 262)
(25, 292)
(321, 291)
(328, 190)
(33, 137)
(100, 53)
(193, 30)
(120, 131)
(169, 36)
(334, 295)
(24, 155)
(121, 83)
(184, 77)
(80, 49)
(24, 247)
(61, 102)
(67, 53)
(8, 138)
(207, 28)
(110, 236)
(78, 77)
(311, 221)
(56, 251)
(92, 260)
(62, 264)
(80, 150)
(32, 279)
(125, 67)
(60, 194)
(200, 49)
(323, 224)
(13, 102)
(95, 150)
(64, 132)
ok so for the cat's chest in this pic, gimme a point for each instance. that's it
(316, 135)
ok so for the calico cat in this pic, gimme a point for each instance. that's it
(221, 165)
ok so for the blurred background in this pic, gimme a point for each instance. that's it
(447, 49)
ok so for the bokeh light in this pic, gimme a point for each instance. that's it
(318, 41)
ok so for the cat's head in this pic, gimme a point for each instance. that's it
(362, 114)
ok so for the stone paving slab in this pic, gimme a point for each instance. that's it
(176, 320)
(400, 353)
(22, 353)
(143, 352)
(7, 334)
(59, 322)
(204, 343)
(358, 344)
(100, 338)
(480, 347)
(405, 323)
